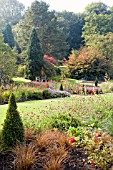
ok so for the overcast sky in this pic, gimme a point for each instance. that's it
(68, 5)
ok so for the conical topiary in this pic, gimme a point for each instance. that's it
(13, 129)
(96, 82)
(61, 87)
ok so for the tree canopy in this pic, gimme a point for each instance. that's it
(8, 36)
(11, 11)
(88, 34)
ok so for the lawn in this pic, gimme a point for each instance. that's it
(21, 79)
(28, 107)
(90, 110)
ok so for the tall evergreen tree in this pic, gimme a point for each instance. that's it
(8, 36)
(35, 57)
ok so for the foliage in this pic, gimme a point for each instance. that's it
(94, 25)
(72, 25)
(25, 156)
(45, 21)
(54, 145)
(97, 8)
(35, 57)
(61, 87)
(21, 70)
(96, 82)
(8, 36)
(7, 61)
(46, 94)
(11, 12)
(100, 149)
(50, 59)
(87, 64)
(106, 77)
(107, 87)
(104, 45)
(64, 121)
(57, 78)
(49, 69)
(13, 130)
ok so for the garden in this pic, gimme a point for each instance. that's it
(56, 87)
(62, 130)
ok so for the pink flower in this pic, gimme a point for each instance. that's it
(93, 163)
(72, 140)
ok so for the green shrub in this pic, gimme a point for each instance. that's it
(13, 130)
(64, 121)
(107, 87)
(35, 95)
(6, 95)
(56, 78)
(46, 94)
(61, 87)
(1, 98)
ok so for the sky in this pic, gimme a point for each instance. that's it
(68, 5)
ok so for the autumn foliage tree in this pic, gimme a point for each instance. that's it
(87, 64)
(50, 59)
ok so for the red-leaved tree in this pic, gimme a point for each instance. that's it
(50, 59)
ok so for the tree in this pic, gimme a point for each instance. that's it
(97, 24)
(49, 69)
(11, 11)
(96, 82)
(7, 60)
(89, 63)
(98, 20)
(61, 87)
(72, 25)
(35, 57)
(46, 25)
(8, 36)
(50, 59)
(97, 8)
(13, 129)
(104, 44)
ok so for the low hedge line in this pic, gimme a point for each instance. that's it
(24, 95)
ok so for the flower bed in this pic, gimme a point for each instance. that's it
(24, 94)
(59, 93)
(89, 90)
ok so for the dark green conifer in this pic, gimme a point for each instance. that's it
(13, 130)
(96, 82)
(8, 36)
(61, 87)
(35, 57)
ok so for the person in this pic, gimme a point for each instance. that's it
(47, 84)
